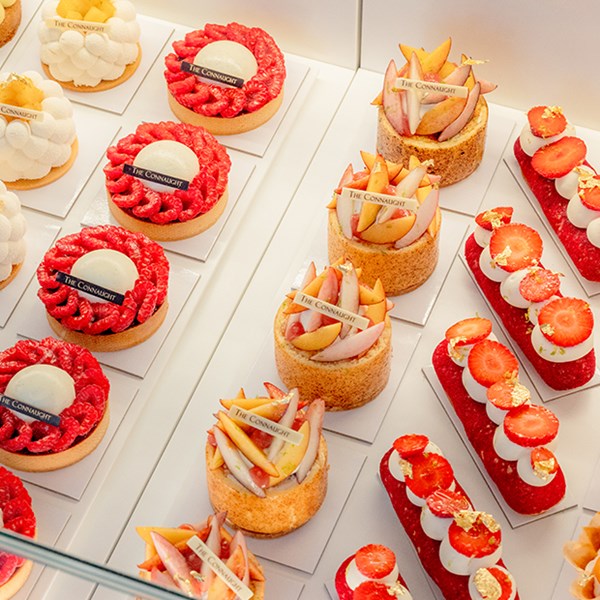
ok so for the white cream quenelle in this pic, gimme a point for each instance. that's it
(12, 233)
(88, 57)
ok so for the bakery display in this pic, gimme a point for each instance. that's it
(459, 547)
(552, 161)
(175, 558)
(37, 132)
(226, 78)
(104, 288)
(10, 19)
(167, 180)
(582, 553)
(16, 514)
(266, 461)
(371, 573)
(54, 409)
(336, 345)
(89, 45)
(434, 109)
(508, 433)
(12, 236)
(554, 332)
(394, 237)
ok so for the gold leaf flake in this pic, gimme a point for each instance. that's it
(519, 394)
(551, 111)
(406, 468)
(501, 259)
(487, 585)
(544, 468)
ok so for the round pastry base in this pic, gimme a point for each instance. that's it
(113, 341)
(8, 27)
(51, 462)
(454, 159)
(285, 508)
(13, 274)
(170, 232)
(223, 126)
(54, 174)
(107, 84)
(401, 270)
(17, 581)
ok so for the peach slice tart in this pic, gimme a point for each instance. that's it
(171, 561)
(433, 108)
(266, 461)
(336, 344)
(397, 240)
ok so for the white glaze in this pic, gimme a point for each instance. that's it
(530, 143)
(527, 473)
(507, 449)
(489, 268)
(354, 577)
(558, 354)
(459, 564)
(477, 391)
(509, 289)
(227, 57)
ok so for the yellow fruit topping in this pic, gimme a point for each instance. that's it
(96, 11)
(20, 91)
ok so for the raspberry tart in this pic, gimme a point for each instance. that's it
(480, 378)
(10, 19)
(59, 379)
(552, 162)
(104, 288)
(171, 561)
(268, 486)
(191, 161)
(418, 117)
(396, 242)
(16, 514)
(12, 236)
(246, 70)
(583, 554)
(555, 333)
(337, 344)
(459, 547)
(371, 574)
(89, 45)
(37, 132)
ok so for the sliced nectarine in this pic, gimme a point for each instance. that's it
(422, 192)
(319, 339)
(376, 312)
(389, 231)
(436, 59)
(408, 50)
(441, 115)
(372, 296)
(369, 160)
(291, 456)
(245, 403)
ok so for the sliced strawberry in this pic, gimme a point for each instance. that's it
(474, 534)
(411, 445)
(446, 503)
(508, 394)
(400, 213)
(210, 438)
(515, 246)
(530, 425)
(543, 458)
(546, 121)
(430, 472)
(539, 285)
(589, 192)
(260, 477)
(372, 590)
(566, 321)
(469, 331)
(295, 330)
(274, 391)
(501, 215)
(375, 561)
(491, 361)
(504, 579)
(559, 158)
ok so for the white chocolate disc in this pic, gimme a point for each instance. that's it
(43, 386)
(227, 57)
(167, 157)
(109, 269)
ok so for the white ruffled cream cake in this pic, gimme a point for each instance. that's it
(31, 148)
(12, 235)
(95, 43)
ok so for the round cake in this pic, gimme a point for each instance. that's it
(104, 288)
(89, 45)
(10, 19)
(55, 378)
(12, 236)
(182, 155)
(37, 132)
(246, 70)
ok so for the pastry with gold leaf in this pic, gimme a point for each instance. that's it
(583, 554)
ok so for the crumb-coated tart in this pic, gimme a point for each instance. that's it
(10, 19)
(85, 276)
(42, 380)
(167, 180)
(248, 53)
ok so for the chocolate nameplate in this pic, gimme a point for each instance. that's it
(411, 204)
(27, 114)
(82, 285)
(211, 74)
(81, 26)
(220, 569)
(431, 86)
(331, 310)
(30, 411)
(266, 425)
(156, 177)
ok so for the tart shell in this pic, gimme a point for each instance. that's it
(17, 581)
(11, 277)
(8, 27)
